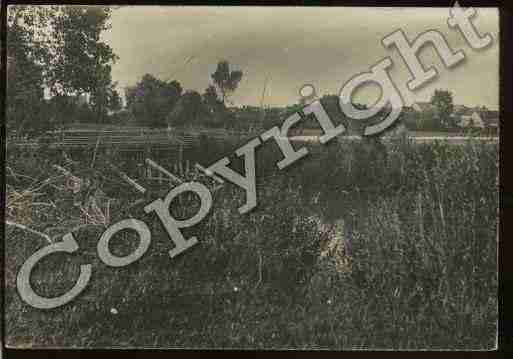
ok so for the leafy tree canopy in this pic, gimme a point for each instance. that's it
(443, 103)
(226, 81)
(189, 110)
(59, 47)
(152, 99)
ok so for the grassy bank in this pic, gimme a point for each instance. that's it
(421, 272)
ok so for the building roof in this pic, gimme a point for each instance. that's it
(490, 118)
(489, 114)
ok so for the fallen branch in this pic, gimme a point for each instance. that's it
(132, 182)
(95, 150)
(163, 170)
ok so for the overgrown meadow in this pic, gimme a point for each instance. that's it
(421, 273)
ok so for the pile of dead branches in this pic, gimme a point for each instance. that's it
(61, 203)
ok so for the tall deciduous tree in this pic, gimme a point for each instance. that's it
(226, 81)
(215, 109)
(211, 100)
(26, 56)
(189, 110)
(444, 107)
(151, 100)
(81, 61)
(60, 47)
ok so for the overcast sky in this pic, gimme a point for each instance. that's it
(324, 46)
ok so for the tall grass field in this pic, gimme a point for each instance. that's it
(417, 269)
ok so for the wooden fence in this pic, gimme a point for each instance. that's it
(130, 137)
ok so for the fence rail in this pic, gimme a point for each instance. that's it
(136, 138)
(129, 137)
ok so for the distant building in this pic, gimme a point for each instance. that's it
(472, 119)
(479, 118)
(490, 118)
(466, 115)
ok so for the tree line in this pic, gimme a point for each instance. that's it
(59, 49)
(157, 103)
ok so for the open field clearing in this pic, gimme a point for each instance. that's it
(350, 248)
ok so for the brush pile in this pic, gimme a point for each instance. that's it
(60, 203)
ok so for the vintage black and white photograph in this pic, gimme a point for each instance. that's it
(251, 177)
